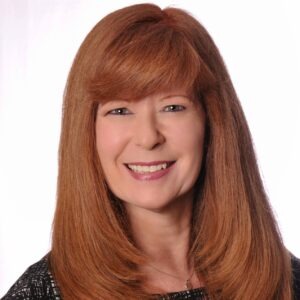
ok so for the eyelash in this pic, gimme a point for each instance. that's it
(118, 111)
(181, 107)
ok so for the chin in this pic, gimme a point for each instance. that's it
(151, 206)
(159, 205)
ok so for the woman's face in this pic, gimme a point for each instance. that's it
(151, 150)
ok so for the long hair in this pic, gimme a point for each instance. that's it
(131, 53)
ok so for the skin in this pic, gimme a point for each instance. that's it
(166, 126)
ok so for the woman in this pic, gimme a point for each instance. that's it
(159, 194)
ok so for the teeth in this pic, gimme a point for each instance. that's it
(147, 169)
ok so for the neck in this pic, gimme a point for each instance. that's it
(164, 235)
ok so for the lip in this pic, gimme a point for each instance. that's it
(153, 175)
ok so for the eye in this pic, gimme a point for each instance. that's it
(174, 108)
(119, 111)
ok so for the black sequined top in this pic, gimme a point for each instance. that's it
(38, 283)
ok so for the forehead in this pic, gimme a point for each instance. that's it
(164, 94)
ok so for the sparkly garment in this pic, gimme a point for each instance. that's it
(195, 294)
(38, 283)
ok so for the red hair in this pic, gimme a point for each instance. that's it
(131, 53)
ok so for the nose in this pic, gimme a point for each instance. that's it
(147, 133)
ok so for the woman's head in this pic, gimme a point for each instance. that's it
(138, 53)
(134, 53)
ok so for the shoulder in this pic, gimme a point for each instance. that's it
(36, 283)
(296, 276)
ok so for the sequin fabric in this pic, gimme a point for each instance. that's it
(38, 283)
(195, 294)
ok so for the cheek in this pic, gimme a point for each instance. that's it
(109, 141)
(196, 139)
(194, 142)
(189, 136)
(195, 132)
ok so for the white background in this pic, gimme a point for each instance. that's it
(260, 43)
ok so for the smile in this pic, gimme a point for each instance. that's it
(148, 171)
(145, 169)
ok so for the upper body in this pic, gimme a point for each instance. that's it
(37, 282)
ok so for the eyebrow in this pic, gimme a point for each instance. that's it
(175, 95)
(114, 102)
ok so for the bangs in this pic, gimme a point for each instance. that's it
(147, 59)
